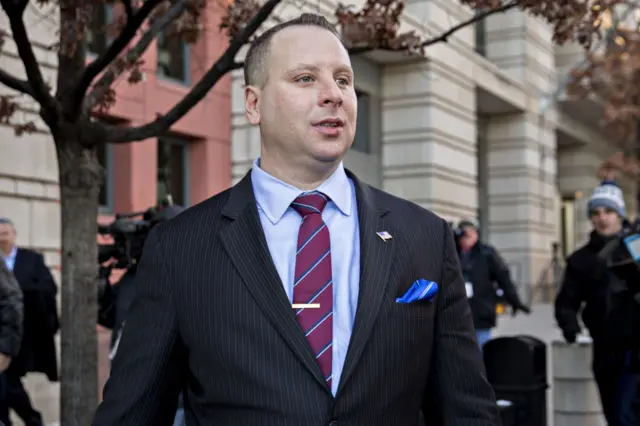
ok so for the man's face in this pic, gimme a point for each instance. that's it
(307, 108)
(606, 222)
(7, 237)
(469, 237)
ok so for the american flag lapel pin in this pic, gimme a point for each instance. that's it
(384, 235)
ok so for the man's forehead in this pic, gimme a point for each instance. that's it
(297, 32)
(299, 36)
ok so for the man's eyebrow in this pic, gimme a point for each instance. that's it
(304, 67)
(310, 67)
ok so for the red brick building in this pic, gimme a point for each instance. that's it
(192, 162)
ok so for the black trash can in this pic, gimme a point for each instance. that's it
(507, 413)
(517, 370)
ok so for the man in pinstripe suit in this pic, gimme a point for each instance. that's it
(274, 302)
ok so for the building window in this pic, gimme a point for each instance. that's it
(173, 170)
(362, 140)
(98, 36)
(481, 34)
(173, 58)
(105, 159)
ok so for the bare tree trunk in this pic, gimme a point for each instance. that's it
(79, 187)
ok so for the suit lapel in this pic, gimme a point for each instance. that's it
(246, 245)
(375, 260)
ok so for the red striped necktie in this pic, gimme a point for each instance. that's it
(312, 279)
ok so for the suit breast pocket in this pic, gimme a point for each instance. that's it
(420, 309)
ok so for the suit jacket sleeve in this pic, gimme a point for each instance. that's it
(147, 371)
(457, 392)
(11, 312)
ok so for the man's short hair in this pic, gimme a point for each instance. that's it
(255, 62)
(6, 220)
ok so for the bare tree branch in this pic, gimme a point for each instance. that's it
(39, 89)
(223, 65)
(115, 48)
(444, 37)
(15, 83)
(105, 81)
(550, 98)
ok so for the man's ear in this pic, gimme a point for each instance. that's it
(252, 104)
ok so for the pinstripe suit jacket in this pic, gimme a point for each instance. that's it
(212, 318)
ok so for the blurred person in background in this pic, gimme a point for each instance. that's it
(586, 288)
(482, 268)
(37, 351)
(10, 330)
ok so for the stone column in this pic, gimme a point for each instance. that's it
(577, 177)
(521, 195)
(521, 46)
(429, 137)
(521, 150)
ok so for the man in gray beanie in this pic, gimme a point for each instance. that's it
(607, 197)
(587, 282)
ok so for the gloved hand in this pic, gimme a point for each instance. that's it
(570, 335)
(520, 307)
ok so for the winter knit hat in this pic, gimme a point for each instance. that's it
(608, 195)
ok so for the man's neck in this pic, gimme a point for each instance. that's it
(300, 177)
(7, 252)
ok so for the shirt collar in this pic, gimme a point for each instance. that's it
(274, 196)
(12, 254)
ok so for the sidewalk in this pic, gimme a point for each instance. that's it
(540, 324)
(45, 395)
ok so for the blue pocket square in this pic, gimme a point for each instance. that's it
(420, 290)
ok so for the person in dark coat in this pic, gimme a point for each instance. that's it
(482, 268)
(11, 314)
(37, 353)
(585, 291)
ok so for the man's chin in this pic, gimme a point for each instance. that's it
(607, 232)
(329, 157)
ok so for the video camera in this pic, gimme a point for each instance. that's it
(129, 231)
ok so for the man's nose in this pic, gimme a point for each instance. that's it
(330, 94)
